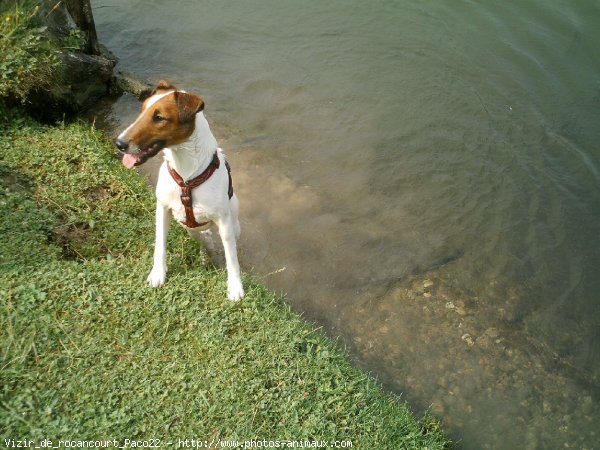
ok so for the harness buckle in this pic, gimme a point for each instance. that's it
(186, 199)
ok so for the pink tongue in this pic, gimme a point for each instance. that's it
(129, 160)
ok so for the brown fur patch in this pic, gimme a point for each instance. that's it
(167, 122)
(188, 105)
(164, 86)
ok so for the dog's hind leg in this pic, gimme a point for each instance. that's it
(227, 230)
(211, 245)
(235, 213)
(158, 274)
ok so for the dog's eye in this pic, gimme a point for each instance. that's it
(158, 118)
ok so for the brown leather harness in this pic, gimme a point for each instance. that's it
(187, 186)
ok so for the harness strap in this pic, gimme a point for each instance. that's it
(187, 186)
(230, 189)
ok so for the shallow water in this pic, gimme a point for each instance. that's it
(422, 180)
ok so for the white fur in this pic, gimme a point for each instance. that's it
(210, 203)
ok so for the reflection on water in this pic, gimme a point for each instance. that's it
(422, 181)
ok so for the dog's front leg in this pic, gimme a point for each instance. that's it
(159, 270)
(235, 290)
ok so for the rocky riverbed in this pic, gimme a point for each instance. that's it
(493, 377)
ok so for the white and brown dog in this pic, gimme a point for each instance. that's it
(194, 182)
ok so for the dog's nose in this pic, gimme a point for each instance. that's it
(122, 144)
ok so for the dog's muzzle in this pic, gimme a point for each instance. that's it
(131, 159)
(122, 144)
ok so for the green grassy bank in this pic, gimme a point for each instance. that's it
(29, 55)
(89, 351)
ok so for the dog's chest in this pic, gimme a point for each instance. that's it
(169, 194)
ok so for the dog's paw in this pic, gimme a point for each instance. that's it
(157, 277)
(235, 290)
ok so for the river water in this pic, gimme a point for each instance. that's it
(422, 179)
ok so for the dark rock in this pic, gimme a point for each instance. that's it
(127, 82)
(65, 16)
(86, 74)
(56, 17)
(85, 79)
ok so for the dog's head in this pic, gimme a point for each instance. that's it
(167, 118)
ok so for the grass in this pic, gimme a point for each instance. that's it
(88, 351)
(29, 57)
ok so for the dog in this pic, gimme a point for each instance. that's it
(194, 181)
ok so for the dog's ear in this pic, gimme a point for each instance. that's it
(188, 105)
(163, 86)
